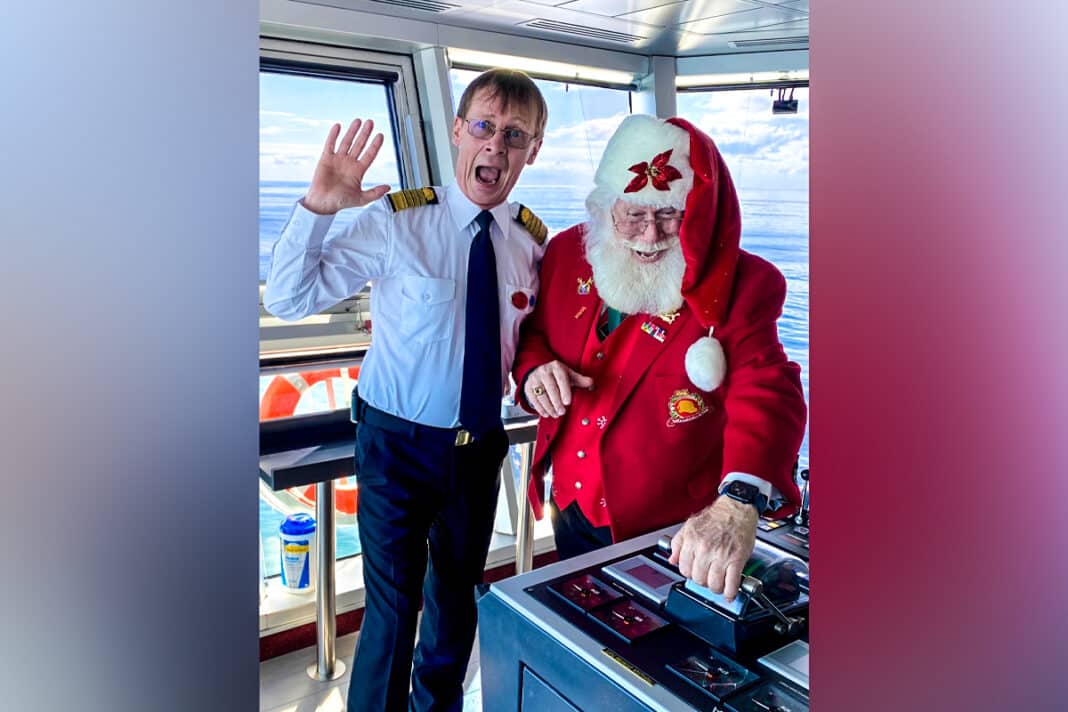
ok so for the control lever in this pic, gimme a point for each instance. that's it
(802, 517)
(786, 625)
(754, 588)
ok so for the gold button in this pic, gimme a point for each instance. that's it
(578, 485)
(581, 453)
(585, 421)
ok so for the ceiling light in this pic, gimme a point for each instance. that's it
(739, 79)
(539, 67)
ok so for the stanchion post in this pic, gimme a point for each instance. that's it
(327, 666)
(524, 531)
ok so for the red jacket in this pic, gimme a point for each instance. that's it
(662, 445)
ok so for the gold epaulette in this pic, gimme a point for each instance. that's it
(532, 223)
(404, 199)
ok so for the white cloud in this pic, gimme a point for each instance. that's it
(312, 123)
(296, 162)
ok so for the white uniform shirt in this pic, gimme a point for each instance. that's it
(417, 260)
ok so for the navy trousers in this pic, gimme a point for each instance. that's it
(425, 519)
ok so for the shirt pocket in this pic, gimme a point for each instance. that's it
(517, 303)
(428, 308)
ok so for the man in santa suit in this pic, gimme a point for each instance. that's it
(654, 362)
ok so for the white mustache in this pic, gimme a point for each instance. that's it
(630, 285)
(658, 246)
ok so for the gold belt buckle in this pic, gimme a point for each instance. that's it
(463, 438)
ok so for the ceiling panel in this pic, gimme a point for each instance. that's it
(565, 15)
(678, 13)
(745, 21)
(415, 9)
(791, 29)
(612, 8)
(665, 27)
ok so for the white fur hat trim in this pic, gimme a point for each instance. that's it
(640, 139)
(706, 364)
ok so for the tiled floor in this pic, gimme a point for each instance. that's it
(286, 687)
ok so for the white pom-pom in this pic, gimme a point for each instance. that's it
(705, 363)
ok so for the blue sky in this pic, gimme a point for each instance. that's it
(762, 151)
(296, 113)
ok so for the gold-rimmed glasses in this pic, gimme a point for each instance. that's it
(484, 130)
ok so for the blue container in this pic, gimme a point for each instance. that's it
(297, 547)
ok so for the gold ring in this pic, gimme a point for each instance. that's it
(539, 391)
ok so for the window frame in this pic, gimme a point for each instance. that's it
(332, 332)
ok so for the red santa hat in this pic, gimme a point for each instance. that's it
(674, 164)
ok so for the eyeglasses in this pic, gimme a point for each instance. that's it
(484, 130)
(667, 222)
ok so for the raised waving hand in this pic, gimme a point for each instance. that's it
(338, 180)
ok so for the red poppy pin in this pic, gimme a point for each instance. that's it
(659, 172)
(520, 300)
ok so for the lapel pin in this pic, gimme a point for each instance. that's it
(654, 331)
(669, 317)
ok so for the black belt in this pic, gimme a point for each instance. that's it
(362, 412)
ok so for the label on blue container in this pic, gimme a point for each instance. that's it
(296, 563)
(296, 534)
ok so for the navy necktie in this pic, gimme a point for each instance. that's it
(480, 394)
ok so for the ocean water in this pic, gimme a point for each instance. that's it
(774, 226)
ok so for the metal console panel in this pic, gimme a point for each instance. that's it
(519, 633)
(571, 637)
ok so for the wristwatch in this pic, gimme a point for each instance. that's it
(747, 494)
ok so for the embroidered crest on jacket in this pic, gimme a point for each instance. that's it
(684, 406)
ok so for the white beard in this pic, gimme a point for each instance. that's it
(630, 286)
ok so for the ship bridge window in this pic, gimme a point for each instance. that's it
(304, 89)
(767, 154)
(308, 368)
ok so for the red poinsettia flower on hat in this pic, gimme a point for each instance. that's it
(659, 172)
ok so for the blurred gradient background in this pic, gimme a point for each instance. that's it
(939, 279)
(128, 428)
(939, 166)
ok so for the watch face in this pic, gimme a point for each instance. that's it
(743, 490)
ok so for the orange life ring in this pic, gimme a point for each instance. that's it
(280, 401)
(284, 391)
(346, 496)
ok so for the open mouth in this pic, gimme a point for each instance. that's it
(649, 251)
(487, 175)
(647, 255)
